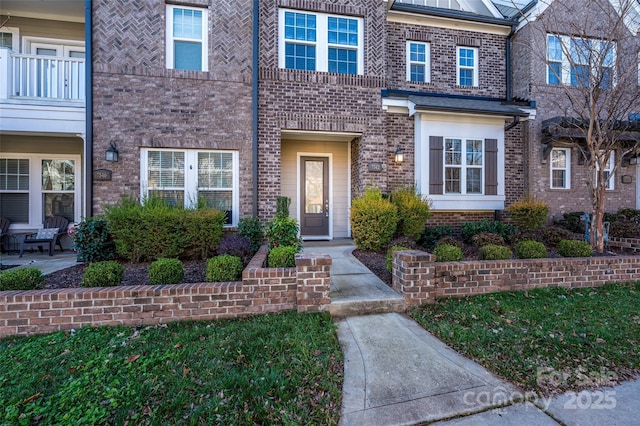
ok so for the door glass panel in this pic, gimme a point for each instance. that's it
(314, 184)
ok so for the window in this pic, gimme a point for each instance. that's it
(187, 38)
(418, 62)
(320, 42)
(467, 66)
(14, 189)
(187, 177)
(608, 170)
(580, 61)
(58, 188)
(463, 166)
(9, 38)
(560, 168)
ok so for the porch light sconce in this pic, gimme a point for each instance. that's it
(633, 161)
(111, 154)
(399, 155)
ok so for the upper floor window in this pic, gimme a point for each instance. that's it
(560, 168)
(608, 171)
(418, 62)
(467, 66)
(463, 166)
(9, 38)
(580, 61)
(187, 38)
(320, 42)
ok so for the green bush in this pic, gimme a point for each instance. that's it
(486, 238)
(283, 231)
(224, 268)
(623, 229)
(632, 215)
(282, 206)
(528, 213)
(450, 241)
(166, 271)
(432, 234)
(447, 253)
(530, 250)
(571, 221)
(373, 220)
(505, 230)
(107, 273)
(552, 235)
(494, 252)
(92, 240)
(250, 227)
(21, 279)
(389, 256)
(413, 212)
(203, 230)
(574, 248)
(282, 257)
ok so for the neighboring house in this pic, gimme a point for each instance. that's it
(43, 143)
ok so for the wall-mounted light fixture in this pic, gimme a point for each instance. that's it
(633, 161)
(111, 154)
(399, 155)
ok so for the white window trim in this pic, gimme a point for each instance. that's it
(426, 63)
(611, 184)
(567, 169)
(463, 166)
(15, 39)
(565, 67)
(322, 40)
(191, 176)
(475, 65)
(169, 35)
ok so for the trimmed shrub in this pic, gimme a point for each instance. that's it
(528, 213)
(282, 206)
(283, 231)
(529, 249)
(203, 229)
(450, 241)
(432, 234)
(494, 252)
(505, 230)
(486, 238)
(574, 248)
(92, 240)
(373, 220)
(413, 212)
(224, 268)
(166, 271)
(571, 221)
(250, 227)
(282, 257)
(554, 234)
(389, 256)
(236, 245)
(623, 229)
(632, 215)
(447, 253)
(107, 273)
(21, 279)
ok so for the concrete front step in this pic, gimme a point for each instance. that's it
(354, 307)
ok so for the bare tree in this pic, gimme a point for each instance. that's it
(591, 56)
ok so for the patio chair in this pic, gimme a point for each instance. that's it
(4, 228)
(53, 228)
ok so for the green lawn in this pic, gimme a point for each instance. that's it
(547, 340)
(269, 369)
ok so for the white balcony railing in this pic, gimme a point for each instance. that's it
(46, 77)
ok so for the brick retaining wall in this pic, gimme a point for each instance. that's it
(262, 290)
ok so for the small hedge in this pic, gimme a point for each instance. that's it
(450, 241)
(529, 249)
(432, 234)
(485, 238)
(21, 279)
(251, 228)
(574, 248)
(282, 257)
(166, 271)
(107, 273)
(389, 257)
(224, 268)
(448, 253)
(494, 252)
(505, 230)
(413, 212)
(92, 240)
(236, 245)
(528, 213)
(373, 220)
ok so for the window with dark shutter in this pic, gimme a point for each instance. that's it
(435, 164)
(491, 167)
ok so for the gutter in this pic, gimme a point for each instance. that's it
(254, 81)
(88, 81)
(448, 13)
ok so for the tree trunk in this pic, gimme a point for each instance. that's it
(597, 228)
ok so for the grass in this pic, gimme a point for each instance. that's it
(547, 340)
(284, 369)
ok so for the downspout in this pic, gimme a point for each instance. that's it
(508, 60)
(88, 82)
(254, 77)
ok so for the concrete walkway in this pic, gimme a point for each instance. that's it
(47, 264)
(396, 373)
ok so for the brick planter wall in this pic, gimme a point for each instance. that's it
(262, 290)
(421, 280)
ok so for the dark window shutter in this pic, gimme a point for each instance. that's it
(435, 164)
(491, 167)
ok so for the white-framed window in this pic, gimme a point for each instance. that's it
(190, 177)
(418, 55)
(10, 38)
(34, 187)
(187, 38)
(467, 66)
(560, 168)
(580, 61)
(312, 41)
(463, 166)
(608, 170)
